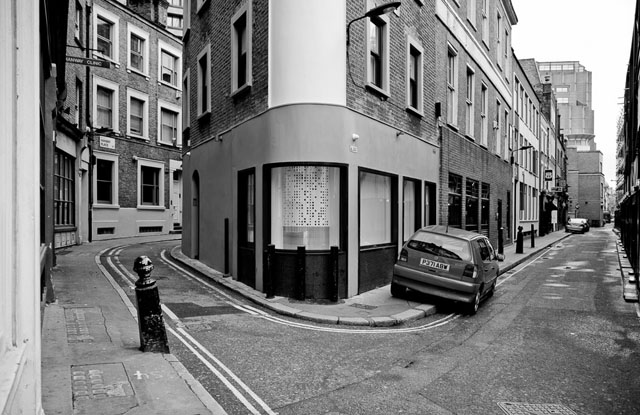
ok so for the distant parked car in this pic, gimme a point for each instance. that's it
(577, 225)
(449, 263)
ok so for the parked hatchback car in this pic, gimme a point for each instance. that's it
(577, 225)
(449, 263)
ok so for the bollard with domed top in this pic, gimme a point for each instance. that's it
(153, 337)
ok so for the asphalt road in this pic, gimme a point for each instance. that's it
(556, 337)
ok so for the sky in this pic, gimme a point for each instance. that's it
(596, 33)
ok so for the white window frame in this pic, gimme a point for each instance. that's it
(78, 19)
(115, 21)
(153, 164)
(498, 127)
(113, 157)
(186, 100)
(499, 40)
(245, 10)
(115, 114)
(204, 78)
(485, 22)
(471, 13)
(134, 30)
(484, 115)
(413, 43)
(470, 118)
(132, 93)
(452, 86)
(384, 66)
(178, 110)
(177, 54)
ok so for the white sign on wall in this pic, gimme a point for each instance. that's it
(108, 142)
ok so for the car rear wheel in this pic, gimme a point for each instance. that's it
(472, 308)
(397, 290)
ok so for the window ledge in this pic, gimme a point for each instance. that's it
(105, 206)
(138, 137)
(168, 144)
(133, 70)
(106, 58)
(454, 127)
(168, 85)
(204, 115)
(414, 111)
(149, 207)
(384, 95)
(238, 91)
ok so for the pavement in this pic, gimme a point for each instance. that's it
(91, 362)
(375, 308)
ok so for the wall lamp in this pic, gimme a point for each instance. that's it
(518, 149)
(376, 11)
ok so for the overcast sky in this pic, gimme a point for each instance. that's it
(595, 32)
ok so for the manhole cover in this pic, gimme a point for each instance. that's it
(183, 310)
(520, 408)
(363, 306)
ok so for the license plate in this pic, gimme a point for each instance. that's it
(434, 264)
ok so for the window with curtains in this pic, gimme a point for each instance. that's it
(305, 207)
(105, 37)
(169, 68)
(136, 116)
(455, 201)
(64, 190)
(169, 123)
(471, 212)
(105, 107)
(375, 209)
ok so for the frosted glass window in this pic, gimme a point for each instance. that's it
(375, 209)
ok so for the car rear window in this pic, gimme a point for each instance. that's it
(441, 245)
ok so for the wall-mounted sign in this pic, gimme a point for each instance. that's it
(556, 189)
(100, 63)
(548, 175)
(108, 142)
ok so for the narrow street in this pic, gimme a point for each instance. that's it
(556, 334)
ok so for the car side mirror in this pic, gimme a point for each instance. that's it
(500, 257)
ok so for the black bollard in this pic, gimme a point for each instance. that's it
(519, 241)
(335, 272)
(533, 237)
(153, 337)
(301, 270)
(269, 289)
(500, 240)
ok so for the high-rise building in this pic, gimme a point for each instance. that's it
(585, 178)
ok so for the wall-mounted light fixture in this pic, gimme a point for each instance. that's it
(354, 137)
(376, 11)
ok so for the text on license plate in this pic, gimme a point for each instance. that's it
(433, 264)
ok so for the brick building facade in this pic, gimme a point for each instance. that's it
(122, 124)
(303, 140)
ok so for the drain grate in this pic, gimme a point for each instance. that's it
(183, 310)
(363, 306)
(520, 408)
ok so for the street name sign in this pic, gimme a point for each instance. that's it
(88, 61)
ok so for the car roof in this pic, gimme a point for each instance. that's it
(451, 231)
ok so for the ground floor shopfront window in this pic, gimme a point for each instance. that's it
(305, 207)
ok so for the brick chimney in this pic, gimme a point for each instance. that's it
(152, 10)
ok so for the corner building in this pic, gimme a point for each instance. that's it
(299, 135)
(474, 92)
